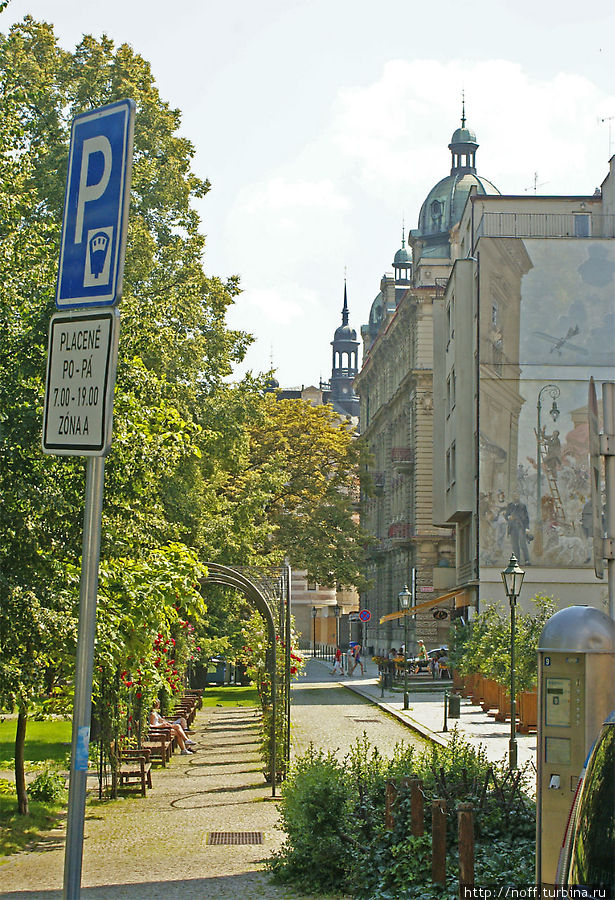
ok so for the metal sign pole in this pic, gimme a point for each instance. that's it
(83, 676)
(608, 408)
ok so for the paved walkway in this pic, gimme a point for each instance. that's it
(426, 713)
(156, 848)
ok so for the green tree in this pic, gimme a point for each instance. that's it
(294, 483)
(175, 348)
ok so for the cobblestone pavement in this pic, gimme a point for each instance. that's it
(154, 848)
(334, 718)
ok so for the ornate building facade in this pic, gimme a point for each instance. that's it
(395, 387)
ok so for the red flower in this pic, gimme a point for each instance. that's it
(138, 694)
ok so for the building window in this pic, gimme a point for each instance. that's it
(464, 543)
(312, 586)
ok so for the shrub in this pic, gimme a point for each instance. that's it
(48, 786)
(316, 809)
(333, 816)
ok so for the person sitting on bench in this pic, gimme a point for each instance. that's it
(178, 727)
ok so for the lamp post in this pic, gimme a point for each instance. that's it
(553, 391)
(404, 603)
(512, 576)
(314, 614)
(338, 612)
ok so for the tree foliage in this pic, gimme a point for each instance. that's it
(200, 468)
(483, 646)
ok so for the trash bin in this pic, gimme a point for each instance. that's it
(454, 706)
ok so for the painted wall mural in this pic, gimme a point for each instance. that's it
(547, 322)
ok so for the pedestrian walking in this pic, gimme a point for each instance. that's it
(358, 660)
(337, 665)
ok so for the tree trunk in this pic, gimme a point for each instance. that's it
(20, 775)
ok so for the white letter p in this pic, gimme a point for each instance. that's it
(90, 192)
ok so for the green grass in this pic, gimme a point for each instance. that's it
(45, 741)
(16, 831)
(230, 695)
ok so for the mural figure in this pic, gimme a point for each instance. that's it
(516, 515)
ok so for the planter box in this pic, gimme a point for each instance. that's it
(503, 712)
(458, 683)
(478, 690)
(527, 710)
(491, 695)
(468, 685)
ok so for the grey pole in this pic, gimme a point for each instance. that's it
(95, 477)
(608, 407)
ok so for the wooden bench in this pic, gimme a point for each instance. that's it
(160, 742)
(132, 768)
(186, 707)
(197, 693)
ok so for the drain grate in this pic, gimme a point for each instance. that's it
(234, 837)
(366, 720)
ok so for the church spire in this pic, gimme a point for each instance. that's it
(345, 309)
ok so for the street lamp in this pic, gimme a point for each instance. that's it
(404, 598)
(553, 391)
(512, 576)
(338, 612)
(314, 614)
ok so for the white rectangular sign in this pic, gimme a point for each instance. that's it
(81, 367)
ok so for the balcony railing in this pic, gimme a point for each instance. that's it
(402, 457)
(545, 225)
(400, 532)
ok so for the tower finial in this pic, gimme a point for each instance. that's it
(345, 309)
(403, 231)
(463, 108)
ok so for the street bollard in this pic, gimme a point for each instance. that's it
(445, 726)
(465, 824)
(438, 841)
(417, 826)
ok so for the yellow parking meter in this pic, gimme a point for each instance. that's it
(576, 692)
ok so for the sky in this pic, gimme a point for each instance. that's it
(323, 124)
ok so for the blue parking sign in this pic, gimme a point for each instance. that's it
(95, 222)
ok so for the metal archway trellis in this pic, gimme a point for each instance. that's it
(269, 591)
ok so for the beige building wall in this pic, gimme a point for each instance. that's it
(395, 387)
(483, 313)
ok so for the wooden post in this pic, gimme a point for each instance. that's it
(465, 823)
(390, 792)
(438, 841)
(416, 807)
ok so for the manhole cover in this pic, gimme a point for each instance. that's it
(234, 837)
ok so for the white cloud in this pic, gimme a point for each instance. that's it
(339, 200)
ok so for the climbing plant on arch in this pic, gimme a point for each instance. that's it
(270, 595)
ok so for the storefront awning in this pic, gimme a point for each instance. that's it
(462, 597)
